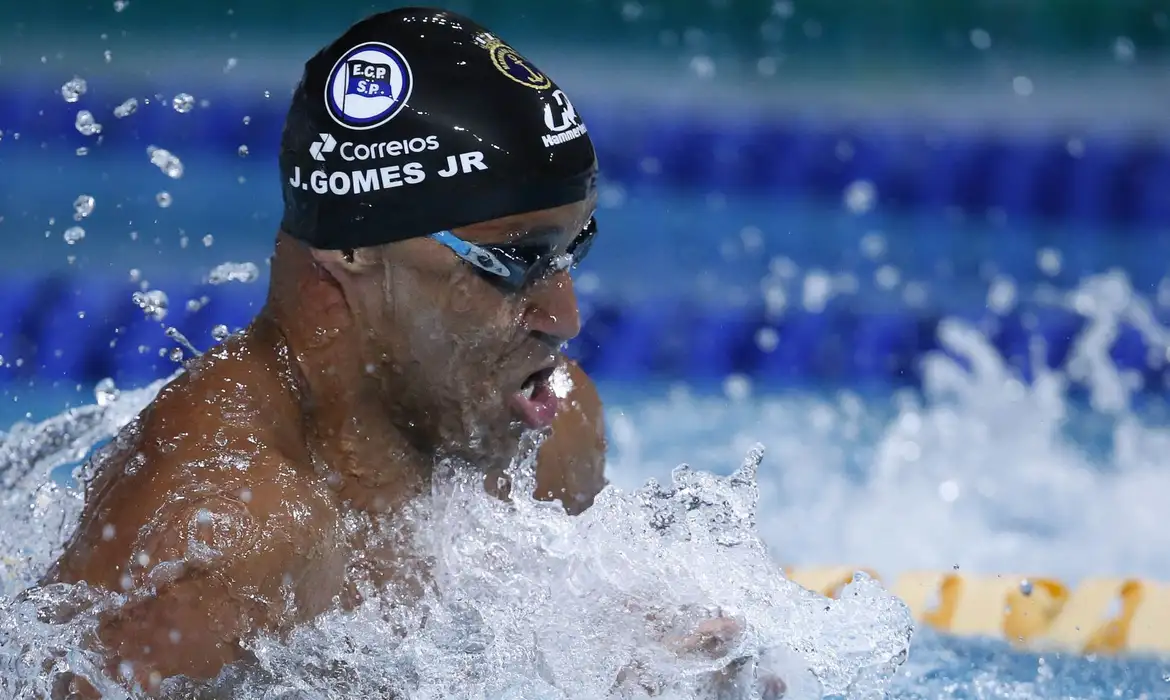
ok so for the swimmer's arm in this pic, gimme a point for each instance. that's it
(571, 463)
(242, 562)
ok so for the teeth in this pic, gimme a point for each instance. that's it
(528, 389)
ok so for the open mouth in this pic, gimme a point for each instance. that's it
(536, 402)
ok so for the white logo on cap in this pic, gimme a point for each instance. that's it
(563, 126)
(320, 148)
(368, 86)
(566, 120)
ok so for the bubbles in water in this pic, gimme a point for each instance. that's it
(74, 234)
(105, 392)
(128, 107)
(242, 150)
(183, 103)
(82, 151)
(82, 207)
(208, 240)
(234, 272)
(163, 199)
(860, 196)
(220, 332)
(86, 124)
(120, 5)
(1022, 85)
(166, 161)
(74, 89)
(231, 65)
(176, 354)
(153, 303)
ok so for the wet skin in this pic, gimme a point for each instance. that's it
(335, 400)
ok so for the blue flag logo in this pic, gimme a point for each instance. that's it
(368, 86)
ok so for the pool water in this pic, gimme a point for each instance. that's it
(966, 465)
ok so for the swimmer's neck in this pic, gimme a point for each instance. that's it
(364, 456)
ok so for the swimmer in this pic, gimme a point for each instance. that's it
(437, 188)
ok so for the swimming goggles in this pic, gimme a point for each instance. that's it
(512, 267)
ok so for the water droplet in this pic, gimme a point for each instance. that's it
(231, 64)
(247, 120)
(234, 272)
(1049, 261)
(1022, 85)
(74, 89)
(82, 207)
(107, 532)
(208, 240)
(1123, 49)
(130, 106)
(176, 354)
(105, 392)
(183, 103)
(703, 66)
(220, 332)
(242, 150)
(82, 151)
(737, 387)
(166, 161)
(767, 339)
(109, 55)
(73, 234)
(153, 303)
(980, 39)
(120, 5)
(86, 125)
(860, 196)
(163, 199)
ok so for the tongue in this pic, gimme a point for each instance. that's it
(538, 410)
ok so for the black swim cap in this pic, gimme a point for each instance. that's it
(417, 121)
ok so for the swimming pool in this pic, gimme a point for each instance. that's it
(983, 473)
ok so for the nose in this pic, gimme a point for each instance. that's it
(552, 308)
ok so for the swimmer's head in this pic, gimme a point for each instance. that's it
(417, 121)
(443, 186)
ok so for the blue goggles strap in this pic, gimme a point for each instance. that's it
(479, 256)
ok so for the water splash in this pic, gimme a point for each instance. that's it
(130, 106)
(233, 272)
(86, 124)
(83, 207)
(521, 596)
(74, 89)
(166, 161)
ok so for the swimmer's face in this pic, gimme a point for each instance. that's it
(461, 361)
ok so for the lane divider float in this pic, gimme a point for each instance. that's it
(1108, 616)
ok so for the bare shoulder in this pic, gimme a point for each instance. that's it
(211, 529)
(571, 463)
(212, 562)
